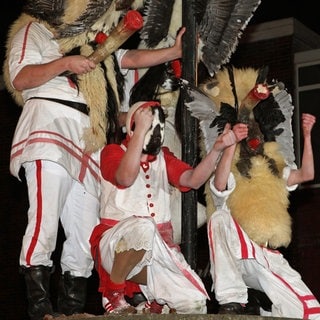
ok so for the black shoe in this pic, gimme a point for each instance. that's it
(72, 294)
(137, 298)
(231, 308)
(256, 300)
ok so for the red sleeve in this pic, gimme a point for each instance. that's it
(110, 158)
(175, 168)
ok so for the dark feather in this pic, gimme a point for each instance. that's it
(268, 115)
(124, 4)
(199, 8)
(262, 75)
(147, 88)
(158, 15)
(113, 133)
(50, 11)
(94, 10)
(228, 114)
(221, 27)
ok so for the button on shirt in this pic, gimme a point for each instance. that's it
(149, 195)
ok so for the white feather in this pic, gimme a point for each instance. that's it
(204, 109)
(285, 139)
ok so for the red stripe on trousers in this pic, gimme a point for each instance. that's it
(39, 212)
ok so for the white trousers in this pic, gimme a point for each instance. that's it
(170, 279)
(54, 195)
(238, 263)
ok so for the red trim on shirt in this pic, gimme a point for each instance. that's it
(175, 168)
(136, 76)
(25, 42)
(112, 154)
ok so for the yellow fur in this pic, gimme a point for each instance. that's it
(260, 204)
(218, 88)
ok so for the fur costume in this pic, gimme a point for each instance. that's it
(75, 25)
(259, 202)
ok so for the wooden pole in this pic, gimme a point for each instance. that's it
(189, 129)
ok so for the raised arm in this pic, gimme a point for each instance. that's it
(306, 171)
(202, 172)
(144, 58)
(130, 164)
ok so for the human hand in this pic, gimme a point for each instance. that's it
(143, 118)
(178, 42)
(241, 131)
(229, 137)
(307, 123)
(79, 64)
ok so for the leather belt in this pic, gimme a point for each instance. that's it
(82, 107)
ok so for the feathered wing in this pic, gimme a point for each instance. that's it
(68, 20)
(158, 15)
(92, 12)
(203, 109)
(46, 10)
(220, 25)
(220, 29)
(285, 139)
(274, 116)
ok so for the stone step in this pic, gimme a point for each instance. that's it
(178, 317)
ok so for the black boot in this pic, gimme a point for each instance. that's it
(72, 294)
(37, 282)
(256, 300)
(136, 299)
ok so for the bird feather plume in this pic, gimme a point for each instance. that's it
(45, 10)
(220, 25)
(206, 103)
(205, 110)
(158, 15)
(92, 11)
(220, 29)
(285, 139)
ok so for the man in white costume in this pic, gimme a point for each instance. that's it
(237, 262)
